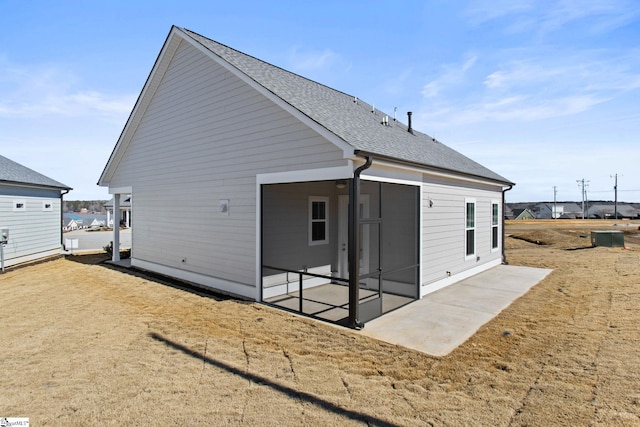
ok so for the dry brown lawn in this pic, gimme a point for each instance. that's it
(87, 344)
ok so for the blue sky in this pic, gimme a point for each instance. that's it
(543, 92)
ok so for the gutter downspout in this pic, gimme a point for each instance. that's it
(504, 254)
(354, 246)
(62, 193)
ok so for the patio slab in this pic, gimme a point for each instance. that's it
(444, 319)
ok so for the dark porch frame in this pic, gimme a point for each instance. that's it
(354, 281)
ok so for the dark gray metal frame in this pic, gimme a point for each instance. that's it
(355, 224)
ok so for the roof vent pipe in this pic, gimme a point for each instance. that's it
(409, 129)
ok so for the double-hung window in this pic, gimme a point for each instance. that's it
(495, 225)
(470, 228)
(318, 220)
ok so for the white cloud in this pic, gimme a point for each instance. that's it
(311, 61)
(510, 109)
(526, 89)
(586, 70)
(450, 76)
(481, 11)
(542, 17)
(32, 92)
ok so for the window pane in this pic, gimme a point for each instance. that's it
(318, 210)
(494, 237)
(471, 234)
(318, 231)
(471, 207)
(494, 217)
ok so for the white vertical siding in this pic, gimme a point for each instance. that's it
(34, 232)
(443, 228)
(203, 138)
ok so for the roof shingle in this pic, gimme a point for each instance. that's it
(16, 173)
(347, 117)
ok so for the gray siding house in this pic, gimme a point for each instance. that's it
(255, 181)
(31, 209)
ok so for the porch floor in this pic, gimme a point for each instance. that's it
(444, 319)
(331, 302)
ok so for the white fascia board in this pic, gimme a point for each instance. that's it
(144, 99)
(32, 186)
(120, 190)
(321, 130)
(338, 172)
(439, 174)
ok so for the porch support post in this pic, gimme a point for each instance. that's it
(504, 252)
(354, 248)
(116, 228)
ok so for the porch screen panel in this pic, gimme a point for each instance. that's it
(400, 239)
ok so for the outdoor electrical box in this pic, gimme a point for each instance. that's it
(611, 239)
(4, 238)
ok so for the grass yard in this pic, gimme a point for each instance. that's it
(87, 344)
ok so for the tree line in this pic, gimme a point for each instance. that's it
(90, 205)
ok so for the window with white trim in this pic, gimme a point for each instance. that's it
(470, 228)
(47, 206)
(318, 220)
(495, 225)
(19, 206)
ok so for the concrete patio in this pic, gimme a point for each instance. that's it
(442, 320)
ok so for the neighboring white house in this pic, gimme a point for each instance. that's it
(97, 223)
(31, 208)
(124, 215)
(73, 224)
(255, 181)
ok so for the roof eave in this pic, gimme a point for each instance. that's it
(362, 153)
(34, 185)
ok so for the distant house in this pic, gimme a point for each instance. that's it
(73, 224)
(608, 211)
(81, 221)
(571, 211)
(255, 181)
(31, 208)
(559, 210)
(508, 213)
(548, 210)
(96, 223)
(523, 214)
(124, 214)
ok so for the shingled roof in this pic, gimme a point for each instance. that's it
(350, 119)
(15, 173)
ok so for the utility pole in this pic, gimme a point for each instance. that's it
(555, 208)
(615, 191)
(583, 188)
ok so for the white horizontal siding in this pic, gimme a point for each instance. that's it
(203, 138)
(443, 227)
(32, 231)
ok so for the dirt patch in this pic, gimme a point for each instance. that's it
(86, 344)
